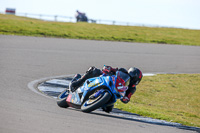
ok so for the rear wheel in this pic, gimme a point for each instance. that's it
(94, 103)
(61, 99)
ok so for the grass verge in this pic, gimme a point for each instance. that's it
(174, 98)
(14, 25)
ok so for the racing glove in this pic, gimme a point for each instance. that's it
(125, 99)
(109, 70)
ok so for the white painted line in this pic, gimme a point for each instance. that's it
(48, 88)
(58, 81)
(147, 119)
(33, 84)
(149, 74)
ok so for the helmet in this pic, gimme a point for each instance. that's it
(136, 75)
(123, 70)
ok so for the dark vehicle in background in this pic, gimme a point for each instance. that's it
(81, 17)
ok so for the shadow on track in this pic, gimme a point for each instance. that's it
(114, 115)
(143, 121)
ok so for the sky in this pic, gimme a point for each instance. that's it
(166, 13)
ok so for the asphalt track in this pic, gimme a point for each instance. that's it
(25, 59)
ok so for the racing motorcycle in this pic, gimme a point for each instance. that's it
(98, 92)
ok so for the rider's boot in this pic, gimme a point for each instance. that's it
(76, 77)
(77, 83)
(108, 109)
(74, 85)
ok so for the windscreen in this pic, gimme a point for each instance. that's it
(124, 77)
(122, 81)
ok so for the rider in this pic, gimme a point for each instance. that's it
(80, 16)
(134, 73)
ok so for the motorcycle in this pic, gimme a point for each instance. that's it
(98, 92)
(81, 17)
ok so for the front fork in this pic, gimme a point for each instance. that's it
(98, 93)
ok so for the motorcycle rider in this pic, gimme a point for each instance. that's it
(80, 16)
(134, 73)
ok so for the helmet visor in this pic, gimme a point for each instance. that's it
(136, 81)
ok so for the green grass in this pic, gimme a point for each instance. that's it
(169, 97)
(14, 25)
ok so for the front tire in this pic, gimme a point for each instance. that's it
(88, 106)
(61, 99)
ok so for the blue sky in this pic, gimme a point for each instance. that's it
(170, 13)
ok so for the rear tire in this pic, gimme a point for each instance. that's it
(96, 104)
(61, 99)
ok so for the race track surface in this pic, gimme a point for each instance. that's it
(25, 59)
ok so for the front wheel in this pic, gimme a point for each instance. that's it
(91, 104)
(61, 99)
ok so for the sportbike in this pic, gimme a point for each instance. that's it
(98, 92)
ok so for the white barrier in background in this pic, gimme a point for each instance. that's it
(60, 18)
